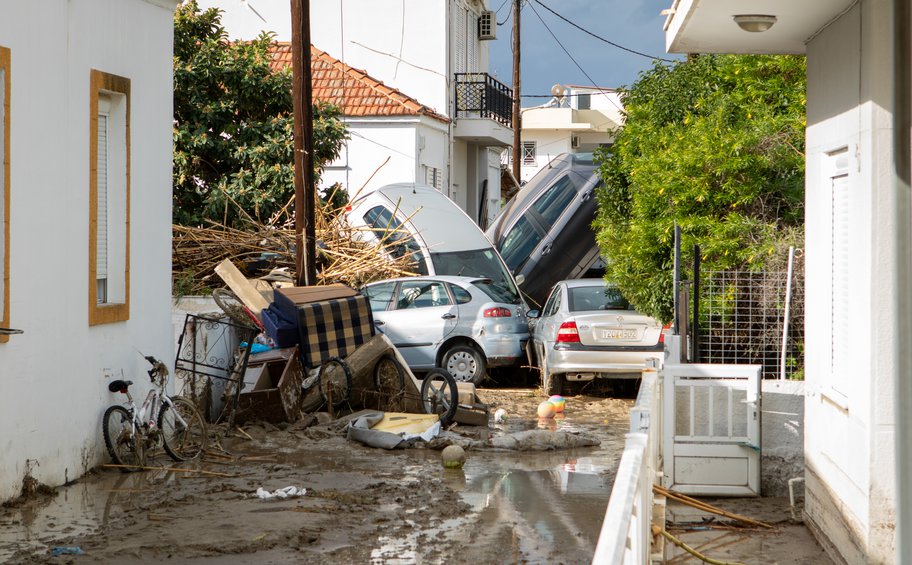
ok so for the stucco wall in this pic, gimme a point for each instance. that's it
(369, 145)
(549, 144)
(782, 435)
(53, 375)
(849, 407)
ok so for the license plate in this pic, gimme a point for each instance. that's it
(619, 334)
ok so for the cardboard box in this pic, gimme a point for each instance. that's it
(276, 392)
(288, 299)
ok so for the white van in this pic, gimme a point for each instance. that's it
(441, 237)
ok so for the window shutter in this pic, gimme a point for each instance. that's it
(839, 284)
(101, 251)
(459, 27)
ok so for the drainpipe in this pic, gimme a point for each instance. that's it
(902, 275)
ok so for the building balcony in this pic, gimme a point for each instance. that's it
(484, 110)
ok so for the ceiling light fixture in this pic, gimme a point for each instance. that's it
(754, 23)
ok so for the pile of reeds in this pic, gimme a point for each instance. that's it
(342, 254)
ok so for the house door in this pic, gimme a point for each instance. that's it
(712, 429)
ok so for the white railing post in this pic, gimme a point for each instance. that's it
(626, 533)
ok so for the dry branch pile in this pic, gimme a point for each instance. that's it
(342, 255)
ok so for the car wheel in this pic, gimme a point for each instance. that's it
(465, 363)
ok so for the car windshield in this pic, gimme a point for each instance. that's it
(586, 298)
(397, 240)
(479, 263)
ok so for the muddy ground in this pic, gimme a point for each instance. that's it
(363, 505)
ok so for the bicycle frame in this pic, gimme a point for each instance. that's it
(152, 405)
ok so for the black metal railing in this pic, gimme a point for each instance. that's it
(479, 95)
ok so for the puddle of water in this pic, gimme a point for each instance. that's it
(74, 511)
(539, 507)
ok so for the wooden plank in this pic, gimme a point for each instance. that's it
(241, 287)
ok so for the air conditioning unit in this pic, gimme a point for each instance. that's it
(574, 142)
(487, 25)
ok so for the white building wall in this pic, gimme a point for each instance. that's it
(849, 408)
(383, 151)
(548, 145)
(54, 388)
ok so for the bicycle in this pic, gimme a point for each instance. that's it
(173, 423)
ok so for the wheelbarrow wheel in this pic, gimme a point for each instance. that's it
(389, 380)
(389, 376)
(232, 307)
(335, 381)
(439, 394)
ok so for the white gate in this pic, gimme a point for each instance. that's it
(712, 429)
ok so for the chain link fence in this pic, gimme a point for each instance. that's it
(741, 319)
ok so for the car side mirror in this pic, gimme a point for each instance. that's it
(533, 313)
(520, 279)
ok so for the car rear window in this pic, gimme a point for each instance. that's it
(587, 298)
(555, 200)
(495, 292)
(478, 263)
(398, 241)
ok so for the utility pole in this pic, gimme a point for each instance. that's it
(305, 192)
(517, 115)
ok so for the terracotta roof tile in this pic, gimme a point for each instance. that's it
(352, 90)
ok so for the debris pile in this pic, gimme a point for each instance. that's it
(343, 253)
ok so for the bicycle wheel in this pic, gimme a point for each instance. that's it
(123, 444)
(439, 394)
(182, 442)
(335, 381)
(232, 307)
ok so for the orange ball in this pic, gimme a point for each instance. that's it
(546, 410)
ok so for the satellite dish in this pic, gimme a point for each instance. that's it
(557, 91)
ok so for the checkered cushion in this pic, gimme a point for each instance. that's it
(333, 328)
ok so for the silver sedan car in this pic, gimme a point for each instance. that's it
(463, 324)
(588, 330)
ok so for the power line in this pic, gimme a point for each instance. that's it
(507, 17)
(572, 59)
(600, 38)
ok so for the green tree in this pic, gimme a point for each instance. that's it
(233, 120)
(715, 144)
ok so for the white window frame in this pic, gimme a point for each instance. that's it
(109, 198)
(839, 197)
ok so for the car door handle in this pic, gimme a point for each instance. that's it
(379, 322)
(546, 249)
(587, 195)
(448, 316)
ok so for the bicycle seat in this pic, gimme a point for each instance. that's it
(119, 386)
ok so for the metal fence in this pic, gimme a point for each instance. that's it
(479, 95)
(741, 319)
